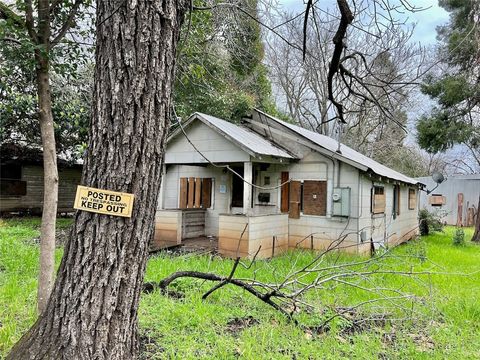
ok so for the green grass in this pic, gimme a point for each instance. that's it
(446, 322)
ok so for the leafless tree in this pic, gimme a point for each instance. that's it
(363, 80)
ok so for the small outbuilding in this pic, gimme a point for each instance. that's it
(265, 185)
(21, 180)
(455, 200)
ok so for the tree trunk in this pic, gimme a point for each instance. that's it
(476, 234)
(92, 312)
(50, 171)
(50, 187)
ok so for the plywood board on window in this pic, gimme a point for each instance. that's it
(315, 197)
(294, 207)
(412, 199)
(206, 192)
(183, 193)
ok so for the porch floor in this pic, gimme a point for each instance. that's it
(199, 245)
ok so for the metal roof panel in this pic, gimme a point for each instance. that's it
(245, 137)
(346, 152)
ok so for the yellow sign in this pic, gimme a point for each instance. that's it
(103, 201)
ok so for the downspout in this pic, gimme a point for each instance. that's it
(360, 206)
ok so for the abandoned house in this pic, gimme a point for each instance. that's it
(294, 188)
(21, 180)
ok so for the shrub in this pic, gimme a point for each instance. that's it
(459, 237)
(429, 221)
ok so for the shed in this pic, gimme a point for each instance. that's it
(21, 180)
(264, 186)
(455, 200)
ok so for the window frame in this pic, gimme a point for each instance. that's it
(410, 206)
(373, 204)
(397, 194)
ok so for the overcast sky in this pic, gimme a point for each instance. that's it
(426, 20)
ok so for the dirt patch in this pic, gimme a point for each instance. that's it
(361, 325)
(149, 287)
(149, 348)
(356, 323)
(202, 245)
(423, 342)
(237, 325)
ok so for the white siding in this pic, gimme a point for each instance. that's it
(213, 145)
(384, 229)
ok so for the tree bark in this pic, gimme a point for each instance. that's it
(476, 234)
(92, 312)
(50, 188)
(50, 171)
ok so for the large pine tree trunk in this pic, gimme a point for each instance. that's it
(92, 312)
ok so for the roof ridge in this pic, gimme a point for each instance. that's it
(364, 158)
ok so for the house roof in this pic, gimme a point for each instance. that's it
(245, 138)
(13, 152)
(346, 153)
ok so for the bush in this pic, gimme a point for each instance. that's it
(429, 221)
(459, 237)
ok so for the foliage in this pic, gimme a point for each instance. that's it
(220, 70)
(429, 221)
(456, 89)
(230, 324)
(423, 222)
(459, 237)
(71, 79)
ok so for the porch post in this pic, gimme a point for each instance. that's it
(162, 188)
(247, 188)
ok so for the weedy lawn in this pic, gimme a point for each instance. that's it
(442, 322)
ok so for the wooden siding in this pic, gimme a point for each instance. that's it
(193, 223)
(69, 178)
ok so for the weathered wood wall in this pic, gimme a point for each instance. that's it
(69, 178)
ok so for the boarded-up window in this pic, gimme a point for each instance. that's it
(195, 193)
(378, 200)
(10, 180)
(315, 197)
(284, 192)
(396, 200)
(412, 199)
(295, 196)
(11, 171)
(437, 200)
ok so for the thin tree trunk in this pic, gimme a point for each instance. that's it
(476, 234)
(50, 171)
(92, 312)
(50, 190)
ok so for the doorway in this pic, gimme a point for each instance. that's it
(237, 187)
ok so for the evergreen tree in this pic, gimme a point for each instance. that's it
(456, 117)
